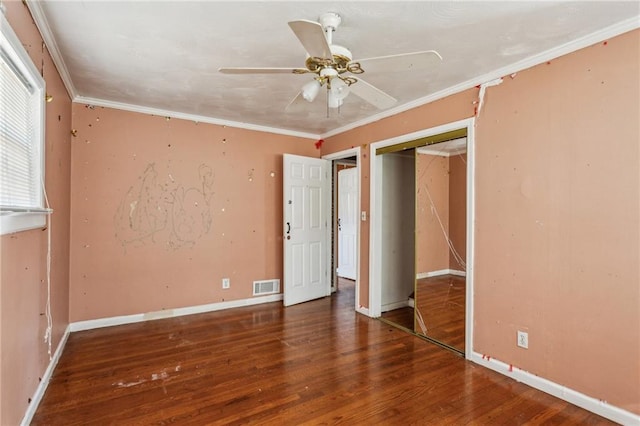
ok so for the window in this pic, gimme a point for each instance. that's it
(21, 137)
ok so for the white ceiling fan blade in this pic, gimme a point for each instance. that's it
(296, 103)
(372, 94)
(403, 62)
(312, 37)
(249, 70)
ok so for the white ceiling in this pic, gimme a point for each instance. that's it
(445, 149)
(162, 57)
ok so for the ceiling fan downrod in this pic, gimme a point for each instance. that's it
(329, 21)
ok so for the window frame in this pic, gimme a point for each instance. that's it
(18, 219)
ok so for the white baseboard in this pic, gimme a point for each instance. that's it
(394, 305)
(171, 313)
(362, 310)
(576, 398)
(44, 381)
(421, 275)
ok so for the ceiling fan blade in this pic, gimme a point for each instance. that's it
(372, 94)
(248, 70)
(312, 37)
(403, 62)
(296, 103)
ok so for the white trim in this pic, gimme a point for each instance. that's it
(375, 232)
(594, 405)
(39, 17)
(564, 49)
(426, 151)
(362, 310)
(375, 244)
(471, 215)
(422, 275)
(44, 381)
(338, 156)
(458, 273)
(171, 313)
(394, 305)
(18, 222)
(191, 117)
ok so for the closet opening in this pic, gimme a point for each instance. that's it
(421, 278)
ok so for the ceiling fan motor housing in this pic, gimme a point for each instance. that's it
(340, 61)
(329, 20)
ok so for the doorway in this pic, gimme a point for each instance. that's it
(346, 160)
(449, 271)
(398, 234)
(345, 177)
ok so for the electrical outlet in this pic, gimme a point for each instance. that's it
(226, 283)
(523, 339)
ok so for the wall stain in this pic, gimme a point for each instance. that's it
(169, 213)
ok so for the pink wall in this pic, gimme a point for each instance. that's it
(458, 209)
(162, 210)
(23, 283)
(432, 185)
(557, 207)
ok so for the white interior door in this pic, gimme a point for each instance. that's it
(347, 222)
(306, 228)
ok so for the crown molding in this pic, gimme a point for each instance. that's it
(35, 7)
(561, 50)
(191, 117)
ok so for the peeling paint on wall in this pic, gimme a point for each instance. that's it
(167, 212)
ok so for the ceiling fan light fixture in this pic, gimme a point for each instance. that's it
(337, 91)
(339, 88)
(311, 90)
(333, 101)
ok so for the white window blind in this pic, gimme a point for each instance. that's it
(19, 134)
(22, 91)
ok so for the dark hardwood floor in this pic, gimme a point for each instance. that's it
(314, 363)
(402, 317)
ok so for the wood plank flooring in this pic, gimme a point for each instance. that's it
(314, 363)
(401, 316)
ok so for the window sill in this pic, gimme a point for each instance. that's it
(11, 222)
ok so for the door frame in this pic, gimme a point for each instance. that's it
(340, 155)
(375, 223)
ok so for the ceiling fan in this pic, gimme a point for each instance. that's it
(334, 67)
